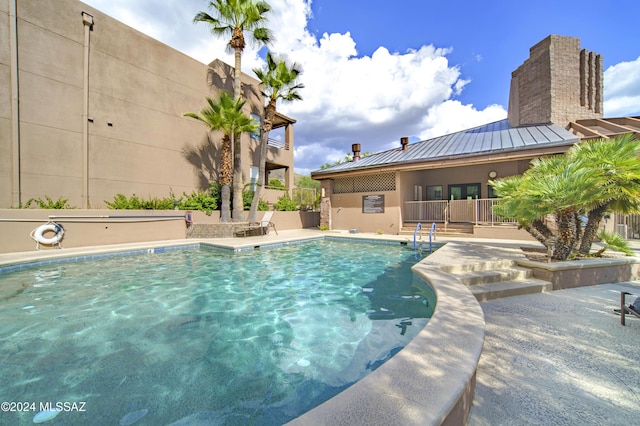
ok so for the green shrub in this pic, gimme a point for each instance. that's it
(286, 204)
(613, 241)
(247, 197)
(276, 184)
(48, 203)
(121, 202)
(198, 200)
(206, 201)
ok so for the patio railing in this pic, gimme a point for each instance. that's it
(476, 211)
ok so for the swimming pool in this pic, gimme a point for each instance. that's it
(206, 335)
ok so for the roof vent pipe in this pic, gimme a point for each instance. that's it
(404, 141)
(356, 151)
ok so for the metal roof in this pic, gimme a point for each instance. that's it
(496, 137)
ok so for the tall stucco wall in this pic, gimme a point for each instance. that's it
(347, 213)
(139, 141)
(5, 107)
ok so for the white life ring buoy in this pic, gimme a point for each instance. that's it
(38, 234)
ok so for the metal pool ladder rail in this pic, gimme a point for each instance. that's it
(418, 228)
(432, 234)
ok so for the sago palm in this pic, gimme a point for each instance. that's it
(616, 165)
(553, 185)
(280, 82)
(231, 18)
(525, 210)
(225, 115)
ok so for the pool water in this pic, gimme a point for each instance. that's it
(204, 336)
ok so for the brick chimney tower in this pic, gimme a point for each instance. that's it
(559, 83)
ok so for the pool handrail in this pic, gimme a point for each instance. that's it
(432, 234)
(418, 227)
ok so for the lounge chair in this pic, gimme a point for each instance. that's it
(627, 309)
(264, 225)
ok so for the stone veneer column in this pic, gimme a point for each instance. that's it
(325, 203)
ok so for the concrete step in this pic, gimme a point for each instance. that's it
(496, 290)
(488, 265)
(463, 229)
(470, 278)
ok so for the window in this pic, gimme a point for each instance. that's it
(417, 193)
(491, 192)
(254, 177)
(464, 191)
(256, 135)
(434, 192)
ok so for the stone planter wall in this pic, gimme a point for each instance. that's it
(581, 273)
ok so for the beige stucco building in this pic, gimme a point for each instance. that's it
(555, 101)
(90, 108)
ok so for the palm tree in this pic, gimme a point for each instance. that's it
(525, 209)
(233, 18)
(552, 186)
(280, 81)
(225, 115)
(592, 179)
(617, 168)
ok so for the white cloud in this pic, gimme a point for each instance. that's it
(452, 116)
(311, 152)
(622, 89)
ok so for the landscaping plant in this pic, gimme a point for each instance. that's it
(552, 199)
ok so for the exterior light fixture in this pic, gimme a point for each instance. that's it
(493, 174)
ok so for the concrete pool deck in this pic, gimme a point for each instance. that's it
(552, 358)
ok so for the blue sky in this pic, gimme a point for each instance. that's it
(489, 39)
(376, 70)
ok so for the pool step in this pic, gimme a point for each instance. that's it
(500, 289)
(494, 280)
(470, 278)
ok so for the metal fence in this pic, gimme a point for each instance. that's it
(628, 226)
(477, 211)
(307, 198)
(480, 212)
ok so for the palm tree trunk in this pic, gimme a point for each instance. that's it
(225, 206)
(237, 213)
(567, 236)
(238, 205)
(225, 179)
(595, 216)
(540, 232)
(267, 125)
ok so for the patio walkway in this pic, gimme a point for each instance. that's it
(559, 358)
